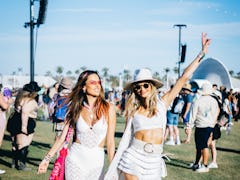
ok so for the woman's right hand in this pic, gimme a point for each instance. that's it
(205, 42)
(42, 168)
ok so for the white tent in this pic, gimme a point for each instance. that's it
(17, 81)
(216, 73)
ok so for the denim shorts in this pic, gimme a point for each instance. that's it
(172, 119)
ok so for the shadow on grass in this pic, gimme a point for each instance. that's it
(34, 143)
(228, 150)
(7, 153)
(31, 160)
(178, 163)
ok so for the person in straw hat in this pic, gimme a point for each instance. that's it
(139, 154)
(188, 97)
(58, 110)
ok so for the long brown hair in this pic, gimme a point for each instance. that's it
(23, 95)
(78, 96)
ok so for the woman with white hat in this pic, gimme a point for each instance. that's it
(139, 154)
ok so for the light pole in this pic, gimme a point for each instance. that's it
(32, 24)
(179, 45)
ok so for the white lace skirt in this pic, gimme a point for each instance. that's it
(84, 163)
(143, 162)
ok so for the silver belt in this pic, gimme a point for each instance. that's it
(147, 147)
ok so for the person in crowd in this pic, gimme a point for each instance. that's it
(53, 90)
(59, 109)
(227, 107)
(203, 116)
(22, 124)
(94, 121)
(139, 154)
(172, 121)
(123, 102)
(188, 97)
(5, 102)
(221, 120)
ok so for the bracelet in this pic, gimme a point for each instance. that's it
(47, 158)
(201, 55)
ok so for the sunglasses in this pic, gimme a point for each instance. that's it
(137, 87)
(94, 82)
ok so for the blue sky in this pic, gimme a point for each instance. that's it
(118, 34)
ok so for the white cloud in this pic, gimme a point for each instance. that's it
(182, 8)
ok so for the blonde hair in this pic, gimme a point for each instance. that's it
(134, 102)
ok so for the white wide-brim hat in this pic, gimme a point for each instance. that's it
(207, 89)
(143, 75)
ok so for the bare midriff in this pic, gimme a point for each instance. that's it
(154, 136)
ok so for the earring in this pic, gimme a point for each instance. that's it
(84, 91)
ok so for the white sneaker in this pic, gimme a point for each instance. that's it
(213, 165)
(178, 142)
(202, 169)
(191, 165)
(2, 171)
(171, 143)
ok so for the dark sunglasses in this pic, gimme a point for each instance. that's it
(137, 87)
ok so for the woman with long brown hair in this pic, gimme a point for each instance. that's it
(93, 120)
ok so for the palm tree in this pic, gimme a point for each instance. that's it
(238, 75)
(175, 70)
(48, 73)
(69, 73)
(83, 68)
(127, 75)
(167, 71)
(156, 75)
(77, 72)
(105, 72)
(114, 81)
(59, 71)
(231, 72)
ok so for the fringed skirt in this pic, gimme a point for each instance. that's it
(84, 163)
(143, 160)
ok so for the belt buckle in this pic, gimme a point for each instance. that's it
(148, 147)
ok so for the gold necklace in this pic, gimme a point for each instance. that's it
(90, 110)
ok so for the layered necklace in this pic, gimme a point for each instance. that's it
(91, 112)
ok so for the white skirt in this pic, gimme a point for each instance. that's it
(83, 163)
(143, 160)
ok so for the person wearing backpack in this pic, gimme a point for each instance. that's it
(172, 121)
(60, 105)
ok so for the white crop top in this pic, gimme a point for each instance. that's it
(141, 122)
(91, 136)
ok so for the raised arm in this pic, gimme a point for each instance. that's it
(111, 133)
(58, 143)
(172, 93)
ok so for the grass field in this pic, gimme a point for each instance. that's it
(228, 156)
